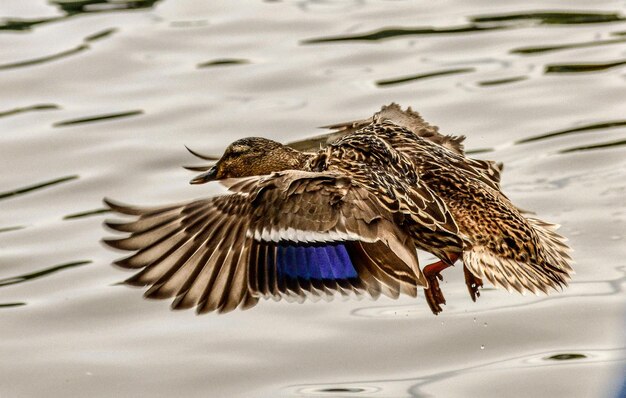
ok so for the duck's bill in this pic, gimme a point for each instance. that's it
(209, 175)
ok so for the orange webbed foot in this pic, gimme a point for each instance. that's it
(434, 296)
(433, 293)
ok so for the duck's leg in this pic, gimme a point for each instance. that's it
(434, 296)
(473, 283)
(433, 293)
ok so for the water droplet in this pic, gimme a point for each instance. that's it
(474, 320)
(485, 324)
(482, 346)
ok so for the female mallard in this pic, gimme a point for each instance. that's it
(346, 219)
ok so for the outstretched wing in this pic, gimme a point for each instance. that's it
(432, 155)
(413, 122)
(408, 119)
(289, 235)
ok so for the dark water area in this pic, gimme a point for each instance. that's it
(101, 97)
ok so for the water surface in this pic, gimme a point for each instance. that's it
(100, 98)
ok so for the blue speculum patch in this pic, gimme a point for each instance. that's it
(328, 260)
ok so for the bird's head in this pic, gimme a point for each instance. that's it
(249, 157)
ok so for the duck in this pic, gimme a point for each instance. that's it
(342, 214)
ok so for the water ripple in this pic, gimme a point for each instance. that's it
(46, 58)
(498, 82)
(224, 61)
(565, 357)
(18, 24)
(478, 150)
(30, 188)
(554, 18)
(558, 47)
(390, 33)
(98, 118)
(400, 80)
(413, 386)
(14, 228)
(335, 391)
(31, 108)
(589, 127)
(73, 7)
(41, 273)
(579, 289)
(481, 23)
(603, 145)
(12, 305)
(62, 54)
(100, 35)
(84, 214)
(583, 67)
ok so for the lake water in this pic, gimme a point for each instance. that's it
(99, 98)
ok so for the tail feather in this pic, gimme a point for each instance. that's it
(550, 270)
(555, 247)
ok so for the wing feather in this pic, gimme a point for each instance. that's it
(222, 253)
(217, 293)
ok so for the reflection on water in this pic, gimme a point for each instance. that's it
(568, 46)
(423, 386)
(220, 62)
(36, 187)
(97, 118)
(39, 107)
(101, 97)
(594, 146)
(19, 24)
(75, 7)
(589, 127)
(554, 18)
(481, 23)
(41, 273)
(390, 82)
(72, 7)
(9, 229)
(565, 357)
(497, 82)
(576, 289)
(581, 68)
(61, 54)
(84, 214)
(384, 34)
(47, 58)
(100, 35)
(337, 391)
(11, 305)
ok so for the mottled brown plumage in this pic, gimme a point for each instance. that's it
(346, 219)
(499, 243)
